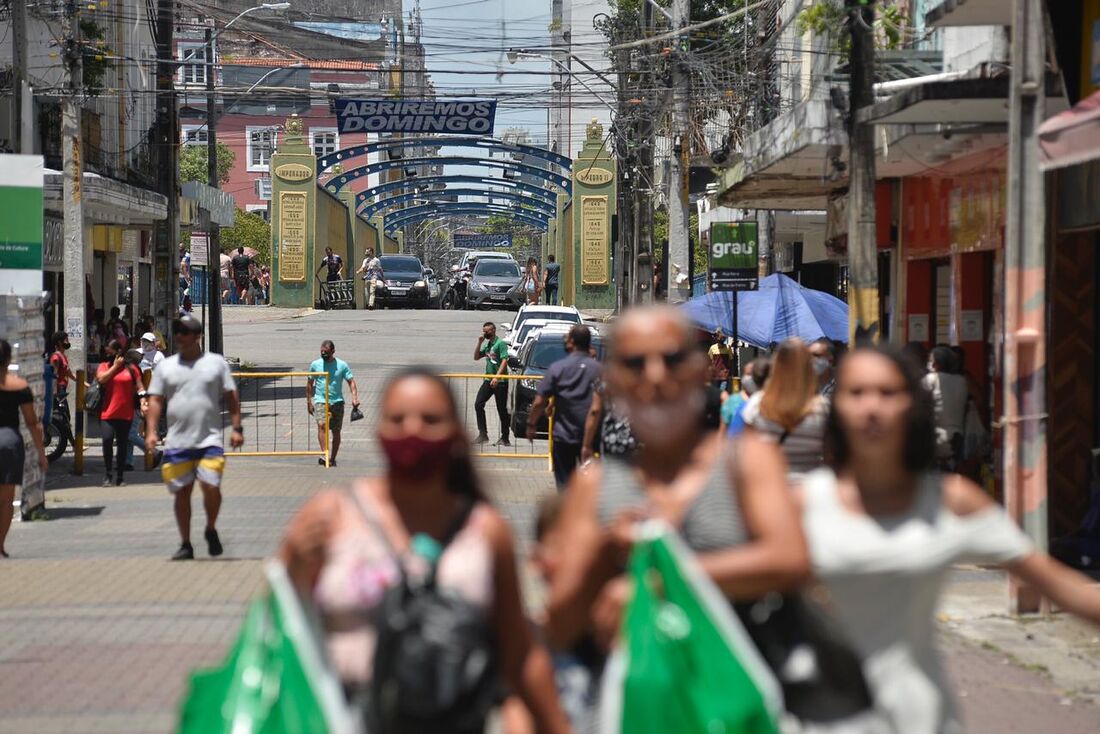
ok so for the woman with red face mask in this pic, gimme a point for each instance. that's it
(352, 550)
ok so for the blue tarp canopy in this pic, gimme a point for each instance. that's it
(780, 309)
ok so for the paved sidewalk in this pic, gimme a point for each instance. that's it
(98, 630)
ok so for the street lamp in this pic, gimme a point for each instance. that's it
(214, 251)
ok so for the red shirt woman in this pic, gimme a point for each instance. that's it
(119, 382)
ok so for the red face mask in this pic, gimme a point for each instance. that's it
(416, 457)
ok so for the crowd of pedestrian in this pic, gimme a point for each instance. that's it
(824, 475)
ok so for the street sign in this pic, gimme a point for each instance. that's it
(200, 250)
(734, 264)
(442, 116)
(21, 225)
(482, 241)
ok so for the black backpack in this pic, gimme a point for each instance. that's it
(435, 667)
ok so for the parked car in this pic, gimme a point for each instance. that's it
(406, 283)
(494, 282)
(536, 355)
(567, 314)
(470, 255)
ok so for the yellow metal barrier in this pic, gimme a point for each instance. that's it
(280, 429)
(465, 402)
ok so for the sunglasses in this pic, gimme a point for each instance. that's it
(636, 363)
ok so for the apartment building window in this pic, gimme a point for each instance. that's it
(261, 144)
(259, 210)
(192, 73)
(325, 140)
(193, 135)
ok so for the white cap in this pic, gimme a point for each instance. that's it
(149, 337)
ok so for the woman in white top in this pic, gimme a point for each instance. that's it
(789, 411)
(884, 528)
(950, 392)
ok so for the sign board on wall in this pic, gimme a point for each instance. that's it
(200, 250)
(439, 116)
(292, 237)
(918, 327)
(21, 224)
(482, 241)
(595, 240)
(734, 264)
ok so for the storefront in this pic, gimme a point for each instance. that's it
(951, 245)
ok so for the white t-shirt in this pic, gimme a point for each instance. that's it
(193, 392)
(150, 362)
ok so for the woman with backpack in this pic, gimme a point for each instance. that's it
(420, 548)
(531, 285)
(119, 383)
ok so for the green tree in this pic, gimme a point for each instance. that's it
(193, 163)
(830, 18)
(248, 230)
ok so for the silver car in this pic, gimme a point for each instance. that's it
(495, 284)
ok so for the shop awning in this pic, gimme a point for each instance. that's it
(954, 102)
(1071, 138)
(969, 13)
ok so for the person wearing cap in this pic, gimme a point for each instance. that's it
(193, 384)
(150, 355)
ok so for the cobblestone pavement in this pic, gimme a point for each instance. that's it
(98, 630)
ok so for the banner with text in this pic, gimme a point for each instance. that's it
(733, 256)
(21, 224)
(439, 116)
(482, 241)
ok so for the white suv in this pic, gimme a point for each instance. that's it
(565, 314)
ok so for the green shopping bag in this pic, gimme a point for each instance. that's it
(274, 680)
(684, 663)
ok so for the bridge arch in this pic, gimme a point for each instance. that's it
(336, 183)
(326, 162)
(382, 206)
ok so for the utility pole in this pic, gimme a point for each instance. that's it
(678, 217)
(166, 233)
(76, 318)
(863, 306)
(1025, 422)
(213, 240)
(19, 110)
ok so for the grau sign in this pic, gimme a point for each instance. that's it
(734, 264)
(482, 241)
(445, 117)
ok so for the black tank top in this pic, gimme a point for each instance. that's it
(10, 400)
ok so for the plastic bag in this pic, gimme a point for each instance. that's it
(684, 662)
(274, 680)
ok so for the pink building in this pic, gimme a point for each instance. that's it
(251, 124)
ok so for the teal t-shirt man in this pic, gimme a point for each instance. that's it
(338, 372)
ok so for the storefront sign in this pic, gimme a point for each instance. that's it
(292, 237)
(594, 240)
(734, 264)
(482, 241)
(21, 226)
(445, 117)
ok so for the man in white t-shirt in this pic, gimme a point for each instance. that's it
(371, 270)
(193, 384)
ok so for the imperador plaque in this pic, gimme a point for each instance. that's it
(292, 237)
(594, 240)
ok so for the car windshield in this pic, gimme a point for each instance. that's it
(497, 269)
(550, 348)
(571, 316)
(526, 330)
(401, 265)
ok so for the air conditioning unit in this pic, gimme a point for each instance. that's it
(263, 189)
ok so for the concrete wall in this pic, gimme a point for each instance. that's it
(967, 47)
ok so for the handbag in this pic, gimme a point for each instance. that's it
(356, 414)
(93, 397)
(820, 674)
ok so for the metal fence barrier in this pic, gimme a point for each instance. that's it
(466, 387)
(273, 416)
(338, 294)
